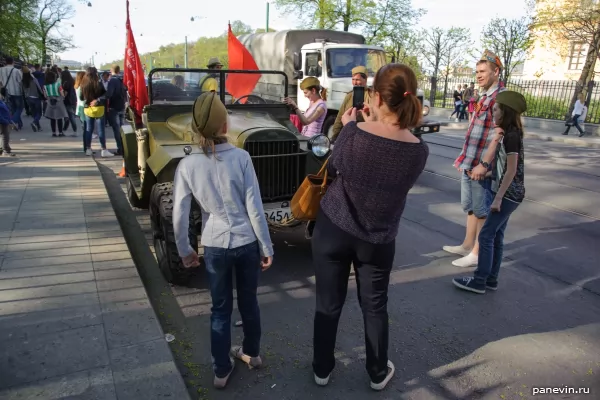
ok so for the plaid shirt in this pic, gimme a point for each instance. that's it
(478, 137)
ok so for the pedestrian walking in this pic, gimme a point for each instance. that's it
(578, 116)
(68, 86)
(235, 234)
(34, 95)
(5, 124)
(55, 110)
(79, 108)
(11, 89)
(93, 96)
(508, 190)
(360, 214)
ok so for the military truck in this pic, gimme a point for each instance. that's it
(326, 54)
(258, 123)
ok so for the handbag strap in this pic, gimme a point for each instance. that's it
(323, 171)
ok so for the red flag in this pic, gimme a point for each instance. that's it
(133, 72)
(240, 58)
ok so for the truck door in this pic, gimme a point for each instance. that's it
(311, 66)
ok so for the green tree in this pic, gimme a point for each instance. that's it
(17, 24)
(328, 14)
(510, 39)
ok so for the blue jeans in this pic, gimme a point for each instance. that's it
(115, 120)
(475, 196)
(35, 107)
(70, 119)
(16, 105)
(89, 130)
(220, 264)
(491, 243)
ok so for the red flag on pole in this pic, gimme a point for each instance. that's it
(240, 58)
(133, 72)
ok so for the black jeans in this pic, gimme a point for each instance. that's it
(334, 251)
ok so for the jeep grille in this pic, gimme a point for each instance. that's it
(279, 166)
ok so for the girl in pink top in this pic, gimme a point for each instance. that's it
(316, 113)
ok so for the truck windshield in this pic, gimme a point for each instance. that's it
(340, 61)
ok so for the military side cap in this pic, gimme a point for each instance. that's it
(208, 115)
(490, 56)
(359, 70)
(514, 100)
(213, 61)
(309, 82)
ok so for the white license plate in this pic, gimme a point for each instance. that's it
(278, 213)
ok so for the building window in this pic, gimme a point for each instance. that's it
(577, 56)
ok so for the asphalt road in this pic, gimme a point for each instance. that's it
(540, 329)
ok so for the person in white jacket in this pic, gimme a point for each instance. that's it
(235, 234)
(578, 116)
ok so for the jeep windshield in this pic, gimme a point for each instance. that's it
(341, 60)
(183, 86)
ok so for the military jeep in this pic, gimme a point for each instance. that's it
(258, 123)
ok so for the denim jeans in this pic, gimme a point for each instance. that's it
(491, 243)
(16, 105)
(89, 130)
(475, 196)
(35, 106)
(70, 120)
(220, 265)
(115, 120)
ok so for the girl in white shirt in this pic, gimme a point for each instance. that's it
(235, 234)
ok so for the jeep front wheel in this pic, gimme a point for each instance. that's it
(161, 217)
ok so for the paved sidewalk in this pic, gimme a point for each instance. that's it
(75, 319)
(533, 133)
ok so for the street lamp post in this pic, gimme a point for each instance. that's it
(267, 30)
(185, 57)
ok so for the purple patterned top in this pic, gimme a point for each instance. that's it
(314, 128)
(373, 176)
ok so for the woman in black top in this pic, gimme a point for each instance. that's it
(375, 163)
(68, 85)
(92, 94)
(508, 187)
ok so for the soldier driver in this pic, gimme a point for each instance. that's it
(210, 82)
(359, 78)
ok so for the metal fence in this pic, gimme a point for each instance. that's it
(545, 99)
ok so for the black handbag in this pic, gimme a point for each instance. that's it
(3, 90)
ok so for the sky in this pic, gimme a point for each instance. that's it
(99, 31)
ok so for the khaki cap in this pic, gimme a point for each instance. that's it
(359, 70)
(309, 82)
(514, 100)
(208, 115)
(213, 62)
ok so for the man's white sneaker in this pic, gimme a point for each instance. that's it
(220, 383)
(238, 352)
(106, 153)
(460, 250)
(470, 260)
(322, 381)
(88, 152)
(381, 385)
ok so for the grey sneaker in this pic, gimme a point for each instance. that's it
(238, 352)
(220, 383)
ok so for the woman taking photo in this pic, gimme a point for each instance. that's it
(55, 108)
(235, 234)
(316, 113)
(374, 164)
(92, 95)
(34, 96)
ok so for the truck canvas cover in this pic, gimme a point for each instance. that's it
(275, 50)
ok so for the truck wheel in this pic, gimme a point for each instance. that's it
(161, 217)
(133, 198)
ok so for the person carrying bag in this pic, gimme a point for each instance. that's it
(306, 202)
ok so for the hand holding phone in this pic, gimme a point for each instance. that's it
(358, 97)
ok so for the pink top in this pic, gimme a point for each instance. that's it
(314, 128)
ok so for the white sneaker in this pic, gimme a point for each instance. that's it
(220, 383)
(322, 381)
(456, 120)
(460, 250)
(470, 260)
(381, 385)
(88, 152)
(106, 153)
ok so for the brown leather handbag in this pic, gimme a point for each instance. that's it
(306, 202)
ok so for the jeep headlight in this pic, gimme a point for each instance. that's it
(320, 145)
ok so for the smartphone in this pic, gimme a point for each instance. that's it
(358, 97)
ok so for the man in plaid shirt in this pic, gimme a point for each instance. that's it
(476, 195)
